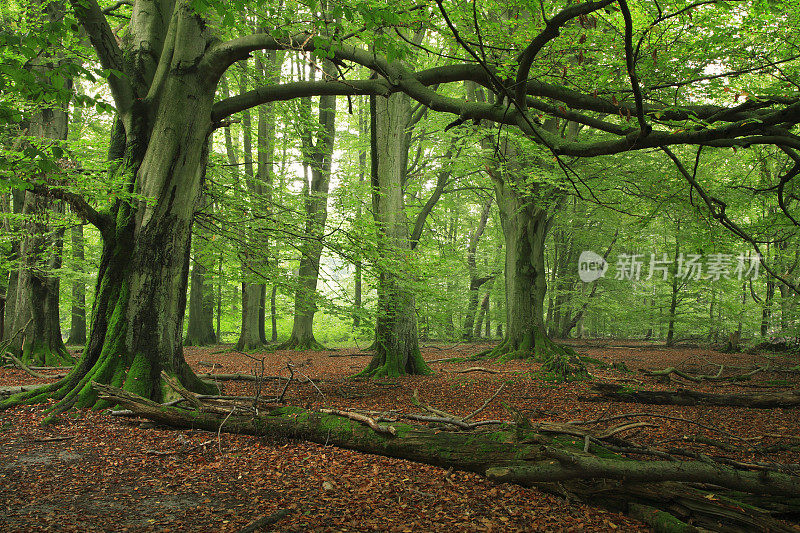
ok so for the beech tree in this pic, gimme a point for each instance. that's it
(164, 72)
(317, 160)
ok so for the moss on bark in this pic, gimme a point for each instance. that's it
(562, 361)
(36, 353)
(392, 364)
(296, 343)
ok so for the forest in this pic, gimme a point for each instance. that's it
(318, 265)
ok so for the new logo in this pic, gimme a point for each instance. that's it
(591, 266)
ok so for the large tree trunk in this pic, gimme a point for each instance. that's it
(396, 341)
(142, 279)
(318, 154)
(13, 205)
(77, 328)
(36, 315)
(37, 292)
(525, 223)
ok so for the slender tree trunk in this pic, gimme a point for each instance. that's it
(766, 309)
(77, 330)
(483, 312)
(250, 337)
(319, 155)
(219, 298)
(273, 313)
(362, 170)
(200, 331)
(474, 282)
(396, 341)
(673, 303)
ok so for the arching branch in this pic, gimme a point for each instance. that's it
(101, 36)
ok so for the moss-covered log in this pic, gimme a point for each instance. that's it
(510, 454)
(759, 400)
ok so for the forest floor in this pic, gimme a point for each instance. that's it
(95, 472)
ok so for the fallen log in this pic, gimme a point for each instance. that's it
(759, 400)
(9, 390)
(511, 453)
(698, 378)
(246, 377)
(29, 370)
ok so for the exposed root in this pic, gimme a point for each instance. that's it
(308, 344)
(389, 365)
(560, 360)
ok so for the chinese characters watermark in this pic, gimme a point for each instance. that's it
(635, 267)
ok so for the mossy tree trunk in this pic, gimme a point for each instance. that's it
(525, 204)
(549, 460)
(158, 146)
(318, 156)
(37, 292)
(396, 341)
(36, 313)
(13, 204)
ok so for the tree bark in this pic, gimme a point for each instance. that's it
(396, 340)
(77, 329)
(318, 155)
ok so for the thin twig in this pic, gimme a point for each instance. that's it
(219, 431)
(486, 403)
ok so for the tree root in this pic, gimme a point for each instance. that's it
(561, 361)
(293, 343)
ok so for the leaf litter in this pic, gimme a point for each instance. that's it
(95, 472)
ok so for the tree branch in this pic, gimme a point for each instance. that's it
(630, 61)
(79, 205)
(550, 32)
(101, 36)
(422, 216)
